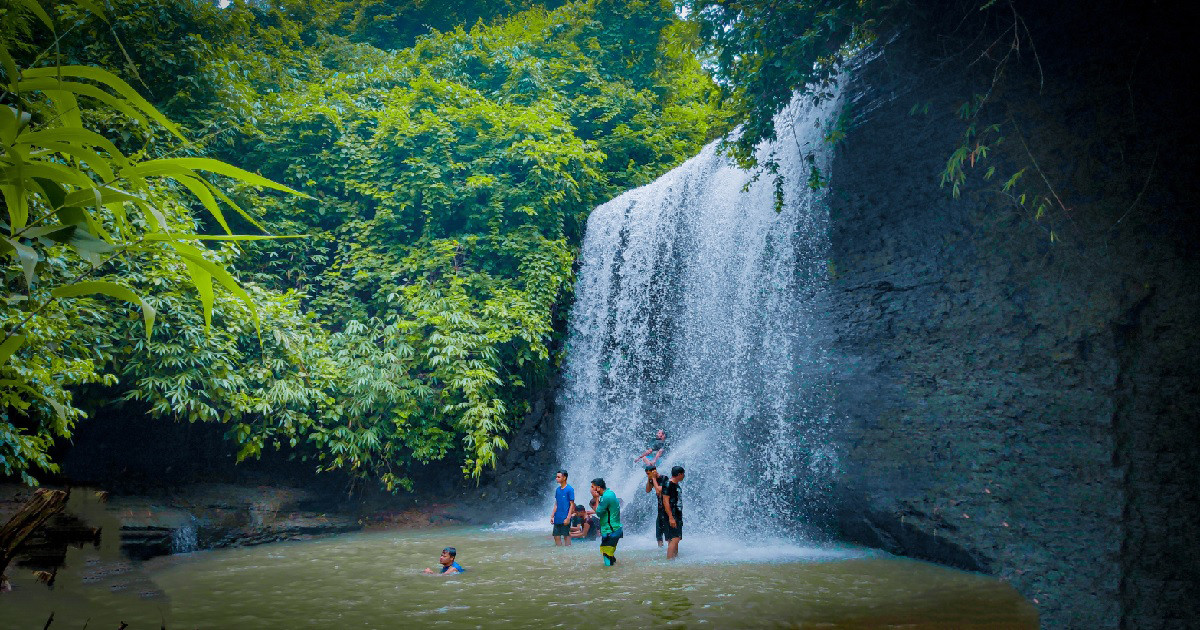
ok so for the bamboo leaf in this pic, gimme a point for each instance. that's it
(83, 137)
(190, 253)
(7, 64)
(84, 156)
(16, 201)
(203, 282)
(111, 289)
(96, 9)
(172, 166)
(51, 190)
(52, 232)
(103, 195)
(88, 246)
(66, 106)
(8, 124)
(9, 346)
(72, 215)
(33, 7)
(28, 258)
(223, 197)
(112, 81)
(206, 198)
(53, 172)
(171, 236)
(1012, 181)
(84, 89)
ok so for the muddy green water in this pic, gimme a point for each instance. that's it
(515, 578)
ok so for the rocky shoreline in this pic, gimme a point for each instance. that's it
(208, 516)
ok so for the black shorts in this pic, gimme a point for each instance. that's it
(674, 532)
(561, 530)
(611, 539)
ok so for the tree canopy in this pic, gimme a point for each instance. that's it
(447, 173)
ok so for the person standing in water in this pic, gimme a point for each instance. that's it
(608, 512)
(655, 482)
(674, 507)
(564, 509)
(656, 446)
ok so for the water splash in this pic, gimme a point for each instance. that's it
(697, 312)
(185, 538)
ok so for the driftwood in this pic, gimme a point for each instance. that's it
(44, 504)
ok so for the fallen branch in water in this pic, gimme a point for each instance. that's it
(44, 504)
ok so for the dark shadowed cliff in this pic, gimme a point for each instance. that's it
(1016, 403)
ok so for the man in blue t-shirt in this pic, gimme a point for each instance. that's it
(449, 565)
(564, 509)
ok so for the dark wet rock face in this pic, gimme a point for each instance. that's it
(188, 518)
(1013, 405)
(211, 516)
(525, 471)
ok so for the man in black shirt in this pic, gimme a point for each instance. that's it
(673, 505)
(583, 525)
(655, 482)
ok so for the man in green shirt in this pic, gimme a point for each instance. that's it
(608, 511)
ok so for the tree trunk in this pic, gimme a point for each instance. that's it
(44, 504)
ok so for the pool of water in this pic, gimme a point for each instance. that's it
(515, 578)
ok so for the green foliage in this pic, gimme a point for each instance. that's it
(981, 139)
(449, 180)
(77, 208)
(395, 24)
(764, 51)
(451, 184)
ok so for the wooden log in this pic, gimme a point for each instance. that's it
(44, 504)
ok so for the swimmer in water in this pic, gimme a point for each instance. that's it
(449, 566)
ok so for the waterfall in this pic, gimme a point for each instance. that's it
(697, 312)
(185, 538)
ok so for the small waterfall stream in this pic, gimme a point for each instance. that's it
(695, 312)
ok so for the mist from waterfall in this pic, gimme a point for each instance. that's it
(695, 312)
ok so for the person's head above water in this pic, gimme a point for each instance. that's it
(447, 558)
(660, 434)
(651, 470)
(579, 509)
(676, 473)
(598, 482)
(561, 477)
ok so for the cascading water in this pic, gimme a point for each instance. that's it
(695, 312)
(185, 538)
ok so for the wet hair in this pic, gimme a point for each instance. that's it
(664, 432)
(599, 483)
(676, 471)
(564, 473)
(650, 467)
(578, 507)
(451, 550)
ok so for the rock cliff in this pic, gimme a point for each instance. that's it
(1014, 403)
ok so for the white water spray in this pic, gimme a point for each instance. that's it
(696, 312)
